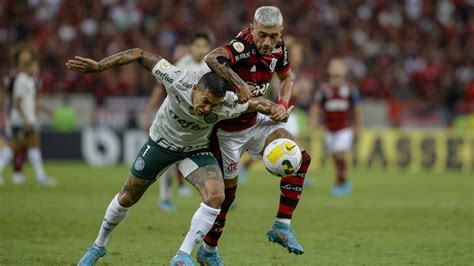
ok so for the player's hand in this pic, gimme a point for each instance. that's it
(279, 113)
(243, 95)
(85, 65)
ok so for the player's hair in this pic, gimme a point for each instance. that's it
(21, 48)
(216, 84)
(268, 16)
(206, 35)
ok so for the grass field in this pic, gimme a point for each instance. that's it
(390, 219)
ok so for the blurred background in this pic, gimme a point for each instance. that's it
(412, 163)
(412, 60)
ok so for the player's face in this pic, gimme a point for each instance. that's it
(204, 101)
(199, 48)
(265, 39)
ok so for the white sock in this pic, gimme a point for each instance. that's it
(6, 155)
(201, 223)
(283, 220)
(113, 216)
(36, 160)
(208, 248)
(165, 184)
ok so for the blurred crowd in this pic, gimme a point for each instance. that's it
(412, 50)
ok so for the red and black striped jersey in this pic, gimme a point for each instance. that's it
(255, 69)
(337, 104)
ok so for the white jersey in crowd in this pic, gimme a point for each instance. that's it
(174, 127)
(189, 63)
(25, 87)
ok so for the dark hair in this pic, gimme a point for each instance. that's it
(21, 48)
(216, 84)
(206, 35)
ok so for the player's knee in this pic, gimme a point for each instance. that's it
(215, 196)
(126, 199)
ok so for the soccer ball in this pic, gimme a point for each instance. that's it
(282, 157)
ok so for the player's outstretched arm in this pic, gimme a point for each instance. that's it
(87, 65)
(218, 60)
(267, 107)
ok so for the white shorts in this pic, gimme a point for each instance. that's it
(234, 144)
(339, 141)
(292, 125)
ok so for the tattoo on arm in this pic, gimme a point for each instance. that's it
(199, 176)
(144, 58)
(261, 105)
(214, 61)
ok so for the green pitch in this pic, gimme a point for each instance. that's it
(391, 219)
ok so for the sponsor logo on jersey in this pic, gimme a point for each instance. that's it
(186, 124)
(164, 76)
(185, 84)
(273, 64)
(210, 118)
(172, 147)
(277, 50)
(139, 164)
(253, 69)
(238, 46)
(242, 56)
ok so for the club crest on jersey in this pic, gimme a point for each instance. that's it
(238, 46)
(210, 118)
(139, 164)
(344, 91)
(164, 64)
(273, 64)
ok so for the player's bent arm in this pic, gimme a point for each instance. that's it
(260, 105)
(146, 59)
(218, 60)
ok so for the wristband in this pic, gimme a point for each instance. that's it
(283, 102)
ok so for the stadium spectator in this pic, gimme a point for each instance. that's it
(179, 133)
(415, 40)
(337, 101)
(248, 62)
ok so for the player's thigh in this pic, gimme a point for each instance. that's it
(152, 160)
(202, 171)
(232, 145)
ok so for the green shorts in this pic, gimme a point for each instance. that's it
(152, 160)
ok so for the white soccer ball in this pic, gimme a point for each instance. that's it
(282, 157)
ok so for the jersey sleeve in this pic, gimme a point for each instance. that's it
(167, 73)
(238, 49)
(283, 62)
(231, 109)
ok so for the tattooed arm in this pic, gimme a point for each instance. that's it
(87, 65)
(218, 60)
(265, 106)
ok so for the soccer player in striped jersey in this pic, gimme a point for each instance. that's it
(337, 101)
(248, 62)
